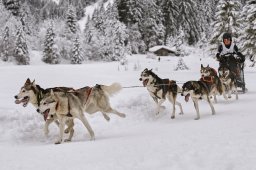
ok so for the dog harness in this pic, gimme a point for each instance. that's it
(226, 50)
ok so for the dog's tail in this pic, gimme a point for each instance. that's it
(112, 89)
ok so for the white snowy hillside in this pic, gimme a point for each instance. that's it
(141, 141)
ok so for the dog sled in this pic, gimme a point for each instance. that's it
(237, 68)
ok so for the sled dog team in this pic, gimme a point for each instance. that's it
(62, 104)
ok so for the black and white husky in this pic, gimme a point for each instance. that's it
(228, 80)
(197, 90)
(209, 76)
(160, 89)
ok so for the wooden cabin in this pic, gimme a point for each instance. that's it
(162, 50)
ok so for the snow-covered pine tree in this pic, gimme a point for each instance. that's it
(249, 32)
(116, 34)
(71, 21)
(107, 35)
(50, 54)
(6, 43)
(136, 43)
(181, 65)
(130, 11)
(13, 6)
(76, 57)
(226, 20)
(170, 10)
(189, 22)
(152, 29)
(21, 50)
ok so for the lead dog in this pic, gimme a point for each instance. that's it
(33, 93)
(160, 89)
(197, 90)
(67, 106)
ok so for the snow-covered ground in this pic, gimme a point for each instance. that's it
(225, 141)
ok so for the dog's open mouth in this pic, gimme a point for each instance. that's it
(145, 82)
(46, 113)
(25, 101)
(187, 97)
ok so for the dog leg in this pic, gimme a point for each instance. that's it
(70, 124)
(56, 122)
(172, 100)
(106, 116)
(235, 88)
(46, 126)
(212, 108)
(215, 98)
(159, 106)
(87, 125)
(195, 101)
(71, 130)
(118, 113)
(224, 92)
(110, 110)
(181, 110)
(229, 91)
(61, 126)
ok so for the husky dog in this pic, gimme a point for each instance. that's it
(210, 77)
(72, 105)
(228, 80)
(197, 90)
(160, 89)
(33, 93)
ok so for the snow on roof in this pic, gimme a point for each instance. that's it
(155, 48)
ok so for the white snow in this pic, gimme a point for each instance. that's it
(225, 141)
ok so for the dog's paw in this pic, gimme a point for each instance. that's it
(122, 115)
(181, 113)
(92, 138)
(162, 107)
(197, 118)
(58, 142)
(172, 117)
(67, 140)
(106, 117)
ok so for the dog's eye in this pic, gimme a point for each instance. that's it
(23, 91)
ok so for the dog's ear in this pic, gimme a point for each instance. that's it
(202, 66)
(208, 65)
(28, 81)
(33, 83)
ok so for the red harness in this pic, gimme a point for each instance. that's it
(89, 93)
(207, 79)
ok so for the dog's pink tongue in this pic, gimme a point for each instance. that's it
(187, 97)
(45, 116)
(145, 82)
